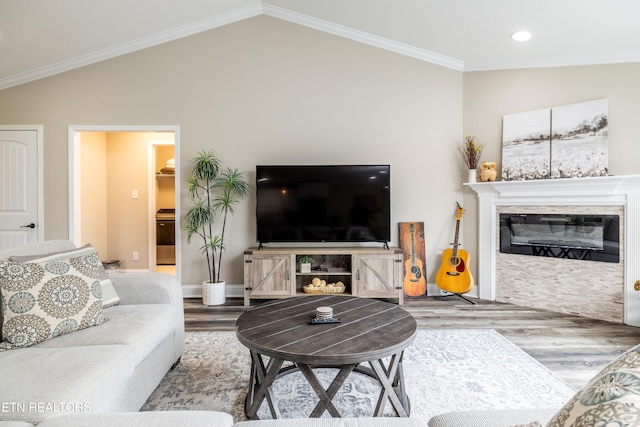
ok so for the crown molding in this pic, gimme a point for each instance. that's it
(621, 57)
(363, 37)
(321, 25)
(143, 43)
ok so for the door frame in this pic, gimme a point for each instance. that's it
(74, 140)
(151, 154)
(39, 129)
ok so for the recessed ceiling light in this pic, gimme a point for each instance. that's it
(521, 36)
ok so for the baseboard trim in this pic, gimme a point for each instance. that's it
(237, 291)
(195, 291)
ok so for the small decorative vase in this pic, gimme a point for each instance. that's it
(472, 175)
(213, 293)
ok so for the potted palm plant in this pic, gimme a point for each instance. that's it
(213, 190)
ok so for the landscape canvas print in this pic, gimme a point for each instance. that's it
(571, 141)
(526, 145)
(580, 140)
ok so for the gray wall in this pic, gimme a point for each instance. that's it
(490, 95)
(267, 91)
(264, 91)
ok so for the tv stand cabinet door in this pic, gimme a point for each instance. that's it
(378, 276)
(267, 276)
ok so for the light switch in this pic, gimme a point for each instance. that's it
(134, 194)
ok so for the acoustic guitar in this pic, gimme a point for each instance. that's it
(414, 282)
(454, 275)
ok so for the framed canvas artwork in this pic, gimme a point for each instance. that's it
(526, 145)
(571, 141)
(412, 244)
(580, 140)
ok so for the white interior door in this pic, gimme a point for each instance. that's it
(20, 186)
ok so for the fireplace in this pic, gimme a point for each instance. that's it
(563, 282)
(572, 236)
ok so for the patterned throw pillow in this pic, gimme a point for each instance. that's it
(109, 295)
(42, 300)
(612, 398)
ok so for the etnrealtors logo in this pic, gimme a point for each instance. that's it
(42, 407)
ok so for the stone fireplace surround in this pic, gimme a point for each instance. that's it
(587, 288)
(596, 291)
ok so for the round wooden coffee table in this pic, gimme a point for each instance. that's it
(371, 332)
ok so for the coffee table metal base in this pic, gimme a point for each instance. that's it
(389, 375)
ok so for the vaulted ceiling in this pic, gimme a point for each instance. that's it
(41, 38)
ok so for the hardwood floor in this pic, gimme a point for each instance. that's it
(573, 347)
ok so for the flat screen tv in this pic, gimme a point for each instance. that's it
(339, 203)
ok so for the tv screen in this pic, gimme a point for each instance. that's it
(341, 203)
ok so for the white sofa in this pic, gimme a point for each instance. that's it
(221, 419)
(208, 419)
(113, 367)
(110, 370)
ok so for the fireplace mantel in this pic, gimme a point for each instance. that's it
(599, 186)
(621, 190)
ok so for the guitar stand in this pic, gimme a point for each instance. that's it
(453, 294)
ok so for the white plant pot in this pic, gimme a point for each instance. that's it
(305, 268)
(213, 293)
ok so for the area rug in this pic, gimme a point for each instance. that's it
(445, 370)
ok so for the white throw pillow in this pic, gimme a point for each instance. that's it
(109, 295)
(42, 300)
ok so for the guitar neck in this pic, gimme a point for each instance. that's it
(413, 253)
(455, 240)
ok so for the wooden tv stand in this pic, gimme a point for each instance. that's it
(366, 272)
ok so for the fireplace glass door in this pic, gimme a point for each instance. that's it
(583, 237)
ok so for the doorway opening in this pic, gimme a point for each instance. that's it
(162, 201)
(114, 192)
